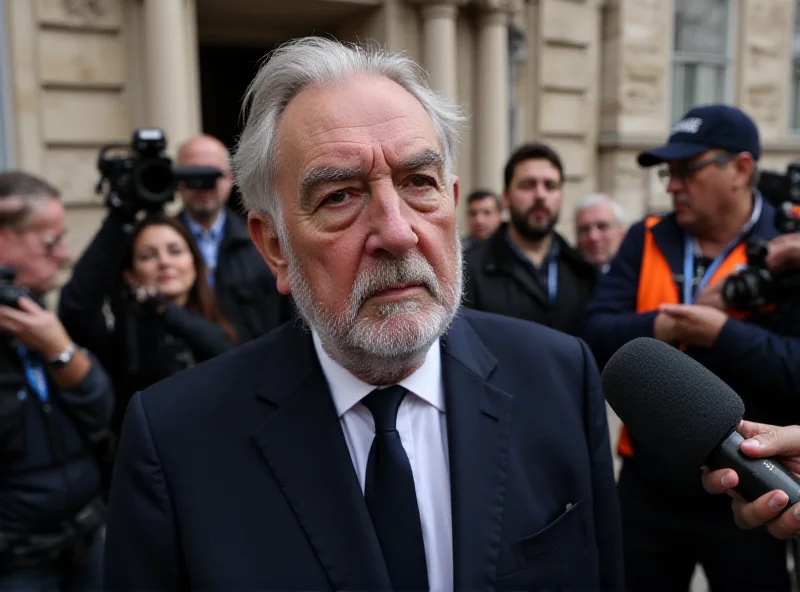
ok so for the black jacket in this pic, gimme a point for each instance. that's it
(47, 472)
(137, 345)
(244, 284)
(498, 282)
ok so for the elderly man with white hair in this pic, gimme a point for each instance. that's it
(599, 228)
(388, 440)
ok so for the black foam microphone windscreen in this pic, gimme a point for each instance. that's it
(687, 416)
(671, 403)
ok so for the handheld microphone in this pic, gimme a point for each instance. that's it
(687, 416)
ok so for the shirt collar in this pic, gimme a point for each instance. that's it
(347, 390)
(552, 253)
(215, 231)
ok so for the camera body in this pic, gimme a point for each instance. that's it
(140, 176)
(755, 286)
(9, 292)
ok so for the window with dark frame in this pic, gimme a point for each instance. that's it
(701, 55)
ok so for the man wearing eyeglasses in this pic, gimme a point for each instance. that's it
(55, 400)
(665, 282)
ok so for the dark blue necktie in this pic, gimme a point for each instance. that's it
(391, 497)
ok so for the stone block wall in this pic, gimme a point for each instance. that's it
(69, 82)
(564, 71)
(636, 90)
(595, 83)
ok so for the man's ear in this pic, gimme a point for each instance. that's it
(264, 235)
(744, 167)
(506, 201)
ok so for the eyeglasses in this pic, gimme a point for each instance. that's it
(49, 242)
(684, 170)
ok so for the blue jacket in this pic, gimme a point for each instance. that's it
(758, 358)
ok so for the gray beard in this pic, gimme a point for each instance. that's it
(386, 349)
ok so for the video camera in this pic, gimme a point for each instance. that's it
(140, 176)
(9, 292)
(755, 286)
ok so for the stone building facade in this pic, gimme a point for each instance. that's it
(597, 79)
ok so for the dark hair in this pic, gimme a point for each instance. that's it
(202, 300)
(28, 189)
(533, 151)
(480, 194)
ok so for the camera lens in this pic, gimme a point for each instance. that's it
(744, 290)
(154, 181)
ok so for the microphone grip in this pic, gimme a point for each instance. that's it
(757, 476)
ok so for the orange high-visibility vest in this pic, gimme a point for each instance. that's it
(657, 286)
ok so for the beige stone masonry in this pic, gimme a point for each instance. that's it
(765, 54)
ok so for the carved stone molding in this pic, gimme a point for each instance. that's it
(88, 9)
(434, 3)
(506, 6)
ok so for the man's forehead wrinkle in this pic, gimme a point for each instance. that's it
(357, 127)
(352, 157)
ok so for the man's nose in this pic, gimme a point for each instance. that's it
(675, 185)
(62, 253)
(389, 221)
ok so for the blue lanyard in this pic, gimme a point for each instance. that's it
(34, 374)
(689, 293)
(552, 280)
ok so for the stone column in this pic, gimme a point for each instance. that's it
(195, 120)
(439, 45)
(165, 69)
(492, 104)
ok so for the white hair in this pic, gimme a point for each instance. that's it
(596, 199)
(318, 61)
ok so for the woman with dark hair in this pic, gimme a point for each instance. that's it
(139, 299)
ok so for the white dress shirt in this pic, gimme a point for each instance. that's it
(423, 432)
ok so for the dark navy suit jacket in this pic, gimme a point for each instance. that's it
(235, 475)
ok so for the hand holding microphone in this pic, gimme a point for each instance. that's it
(762, 441)
(683, 413)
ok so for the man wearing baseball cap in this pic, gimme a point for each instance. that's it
(666, 282)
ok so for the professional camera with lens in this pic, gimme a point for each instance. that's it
(755, 286)
(9, 292)
(140, 176)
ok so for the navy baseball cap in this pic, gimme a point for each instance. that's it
(707, 127)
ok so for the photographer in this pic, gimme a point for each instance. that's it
(151, 278)
(244, 285)
(670, 280)
(54, 402)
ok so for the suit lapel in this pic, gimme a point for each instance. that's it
(478, 430)
(303, 444)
